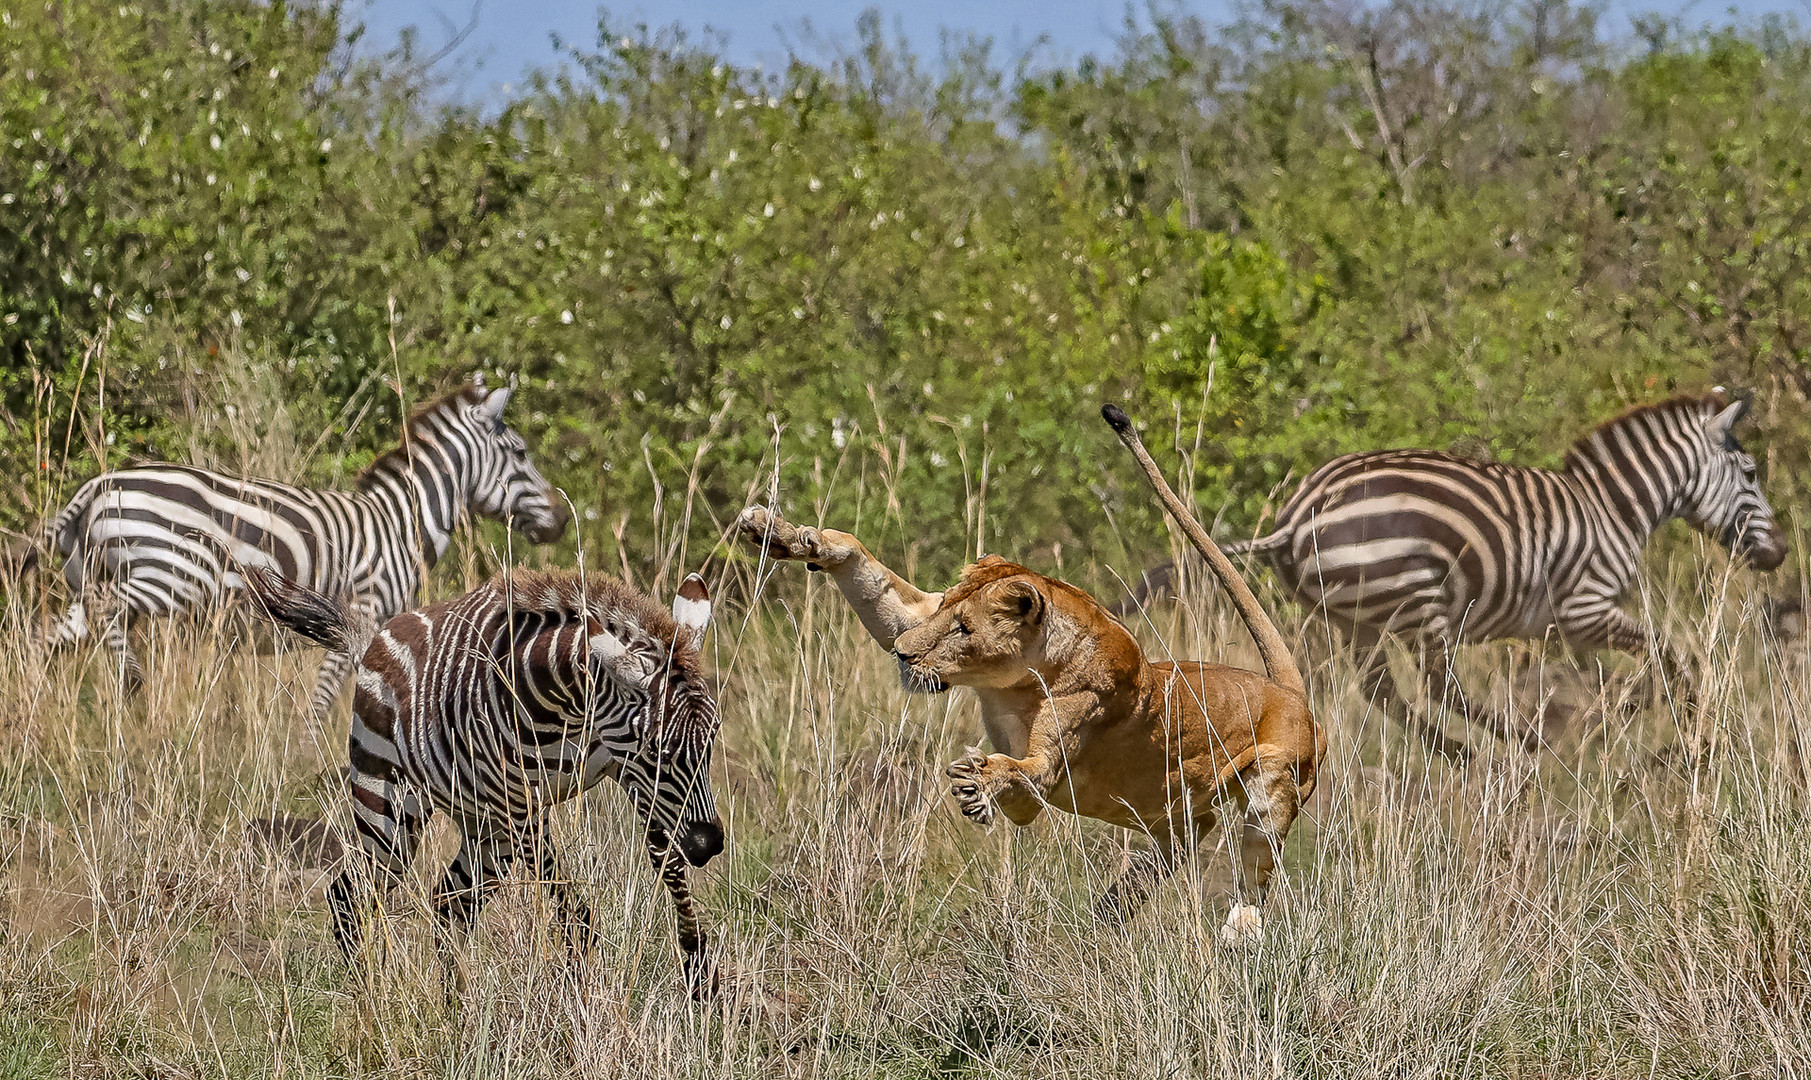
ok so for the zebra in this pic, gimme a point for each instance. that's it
(1438, 549)
(493, 708)
(162, 539)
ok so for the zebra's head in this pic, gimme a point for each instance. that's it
(1725, 500)
(505, 485)
(668, 774)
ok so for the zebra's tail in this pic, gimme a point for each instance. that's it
(1259, 545)
(1278, 663)
(306, 612)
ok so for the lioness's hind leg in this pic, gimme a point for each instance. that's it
(1145, 871)
(1272, 800)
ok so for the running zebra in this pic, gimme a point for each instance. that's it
(165, 539)
(1441, 549)
(495, 707)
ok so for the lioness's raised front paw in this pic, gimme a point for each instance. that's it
(764, 532)
(1244, 923)
(970, 787)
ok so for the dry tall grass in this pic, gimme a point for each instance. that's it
(1587, 912)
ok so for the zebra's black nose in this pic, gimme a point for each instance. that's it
(701, 842)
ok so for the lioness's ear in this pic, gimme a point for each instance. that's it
(1022, 599)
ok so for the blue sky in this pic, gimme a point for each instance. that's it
(511, 36)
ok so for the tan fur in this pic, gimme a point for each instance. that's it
(1080, 719)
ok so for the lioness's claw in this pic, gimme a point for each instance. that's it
(764, 532)
(968, 788)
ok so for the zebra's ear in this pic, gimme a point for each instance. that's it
(491, 408)
(1724, 422)
(692, 608)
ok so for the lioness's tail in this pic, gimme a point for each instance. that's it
(1278, 663)
(306, 612)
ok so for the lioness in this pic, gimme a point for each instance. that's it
(1082, 720)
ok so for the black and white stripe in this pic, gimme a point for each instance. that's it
(1442, 549)
(163, 539)
(494, 707)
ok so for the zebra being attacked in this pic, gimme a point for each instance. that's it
(497, 706)
(164, 539)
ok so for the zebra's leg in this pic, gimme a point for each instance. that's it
(486, 852)
(1145, 871)
(1374, 676)
(116, 632)
(71, 628)
(536, 847)
(701, 975)
(388, 819)
(1437, 669)
(1609, 627)
(472, 878)
(1268, 790)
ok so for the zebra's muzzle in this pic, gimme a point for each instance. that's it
(701, 841)
(1763, 549)
(1764, 556)
(548, 529)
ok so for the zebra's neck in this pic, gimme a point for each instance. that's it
(1634, 487)
(424, 495)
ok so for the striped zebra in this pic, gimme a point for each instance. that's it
(495, 707)
(164, 539)
(1439, 549)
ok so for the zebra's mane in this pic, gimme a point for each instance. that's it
(566, 593)
(1707, 404)
(396, 459)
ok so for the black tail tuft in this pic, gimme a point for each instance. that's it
(1116, 417)
(304, 611)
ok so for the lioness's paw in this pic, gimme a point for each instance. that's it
(764, 532)
(1244, 923)
(970, 788)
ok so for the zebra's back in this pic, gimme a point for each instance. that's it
(1416, 539)
(180, 535)
(453, 698)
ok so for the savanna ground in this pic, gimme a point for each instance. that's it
(1597, 910)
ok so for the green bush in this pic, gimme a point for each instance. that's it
(899, 290)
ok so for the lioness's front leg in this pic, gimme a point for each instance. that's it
(887, 604)
(1021, 786)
